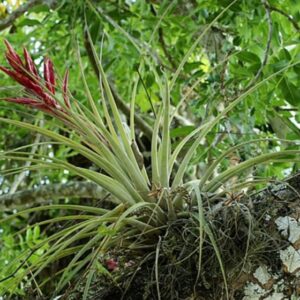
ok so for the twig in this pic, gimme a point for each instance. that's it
(286, 109)
(162, 41)
(222, 76)
(268, 45)
(20, 11)
(20, 266)
(141, 124)
(290, 18)
(145, 88)
(164, 48)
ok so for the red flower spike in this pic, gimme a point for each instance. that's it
(13, 54)
(30, 85)
(23, 80)
(65, 89)
(27, 75)
(15, 65)
(49, 75)
(30, 102)
(24, 100)
(50, 101)
(30, 66)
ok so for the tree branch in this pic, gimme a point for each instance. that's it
(141, 124)
(21, 176)
(162, 42)
(290, 18)
(74, 189)
(268, 45)
(20, 11)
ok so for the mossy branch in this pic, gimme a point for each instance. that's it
(73, 189)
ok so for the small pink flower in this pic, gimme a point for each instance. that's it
(111, 264)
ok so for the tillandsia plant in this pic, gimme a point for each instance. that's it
(146, 203)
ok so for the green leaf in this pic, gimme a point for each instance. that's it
(249, 57)
(290, 92)
(36, 233)
(28, 235)
(284, 54)
(40, 8)
(181, 131)
(29, 22)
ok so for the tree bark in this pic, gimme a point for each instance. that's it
(44, 193)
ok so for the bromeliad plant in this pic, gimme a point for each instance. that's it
(146, 203)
